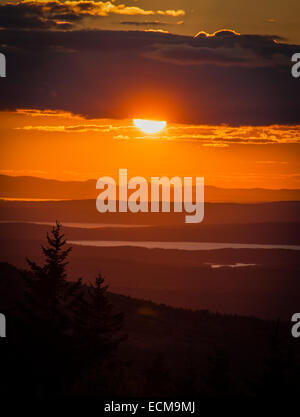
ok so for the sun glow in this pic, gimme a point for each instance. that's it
(149, 126)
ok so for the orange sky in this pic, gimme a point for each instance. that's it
(68, 147)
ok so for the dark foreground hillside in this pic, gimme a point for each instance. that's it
(167, 352)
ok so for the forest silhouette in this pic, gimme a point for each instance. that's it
(69, 339)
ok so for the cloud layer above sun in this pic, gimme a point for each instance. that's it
(56, 61)
(224, 78)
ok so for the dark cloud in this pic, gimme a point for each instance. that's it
(33, 16)
(226, 49)
(55, 14)
(225, 78)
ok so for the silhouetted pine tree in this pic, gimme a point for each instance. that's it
(47, 312)
(69, 329)
(49, 294)
(96, 326)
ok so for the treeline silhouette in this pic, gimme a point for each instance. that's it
(67, 339)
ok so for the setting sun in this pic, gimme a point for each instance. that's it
(149, 126)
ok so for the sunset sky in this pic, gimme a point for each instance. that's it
(218, 73)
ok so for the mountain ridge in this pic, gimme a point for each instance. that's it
(30, 187)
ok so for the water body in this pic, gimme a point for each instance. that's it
(236, 265)
(190, 246)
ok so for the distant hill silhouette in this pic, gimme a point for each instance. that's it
(276, 233)
(85, 211)
(26, 187)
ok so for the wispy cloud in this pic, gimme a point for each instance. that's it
(46, 113)
(224, 135)
(205, 135)
(55, 14)
(271, 162)
(69, 129)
